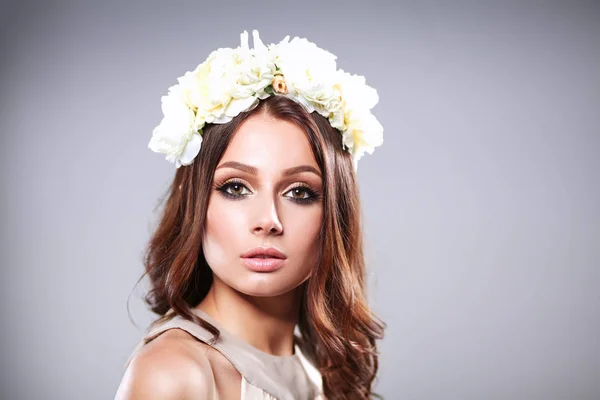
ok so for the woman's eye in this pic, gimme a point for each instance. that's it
(234, 188)
(299, 192)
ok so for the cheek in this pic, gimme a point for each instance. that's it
(304, 233)
(222, 224)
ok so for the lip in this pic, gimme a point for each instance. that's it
(267, 252)
(263, 264)
(263, 259)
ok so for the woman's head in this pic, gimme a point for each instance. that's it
(217, 210)
(266, 192)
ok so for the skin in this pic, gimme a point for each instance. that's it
(259, 307)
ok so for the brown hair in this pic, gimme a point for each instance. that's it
(335, 319)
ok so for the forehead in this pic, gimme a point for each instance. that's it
(270, 144)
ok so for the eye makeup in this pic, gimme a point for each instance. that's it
(236, 185)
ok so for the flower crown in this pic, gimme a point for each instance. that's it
(232, 81)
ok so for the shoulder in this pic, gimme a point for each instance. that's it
(169, 367)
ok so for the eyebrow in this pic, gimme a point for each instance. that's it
(254, 171)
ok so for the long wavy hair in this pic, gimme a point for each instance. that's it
(335, 320)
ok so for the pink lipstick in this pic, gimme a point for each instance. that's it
(262, 259)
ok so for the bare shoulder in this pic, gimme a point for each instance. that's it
(169, 367)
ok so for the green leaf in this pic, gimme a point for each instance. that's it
(269, 89)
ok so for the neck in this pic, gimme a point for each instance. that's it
(266, 323)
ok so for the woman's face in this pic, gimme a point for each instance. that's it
(255, 203)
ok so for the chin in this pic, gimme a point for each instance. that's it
(266, 285)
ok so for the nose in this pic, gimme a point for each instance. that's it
(266, 218)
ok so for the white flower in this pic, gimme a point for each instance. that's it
(356, 93)
(253, 69)
(325, 99)
(231, 81)
(363, 133)
(212, 86)
(174, 136)
(303, 64)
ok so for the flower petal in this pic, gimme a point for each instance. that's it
(236, 106)
(244, 40)
(191, 149)
(258, 44)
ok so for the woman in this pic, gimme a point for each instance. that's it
(256, 266)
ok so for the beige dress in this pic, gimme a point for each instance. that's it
(264, 376)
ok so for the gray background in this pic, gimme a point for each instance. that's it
(482, 208)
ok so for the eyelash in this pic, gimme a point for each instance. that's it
(313, 196)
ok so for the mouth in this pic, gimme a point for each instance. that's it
(264, 253)
(263, 259)
(263, 263)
